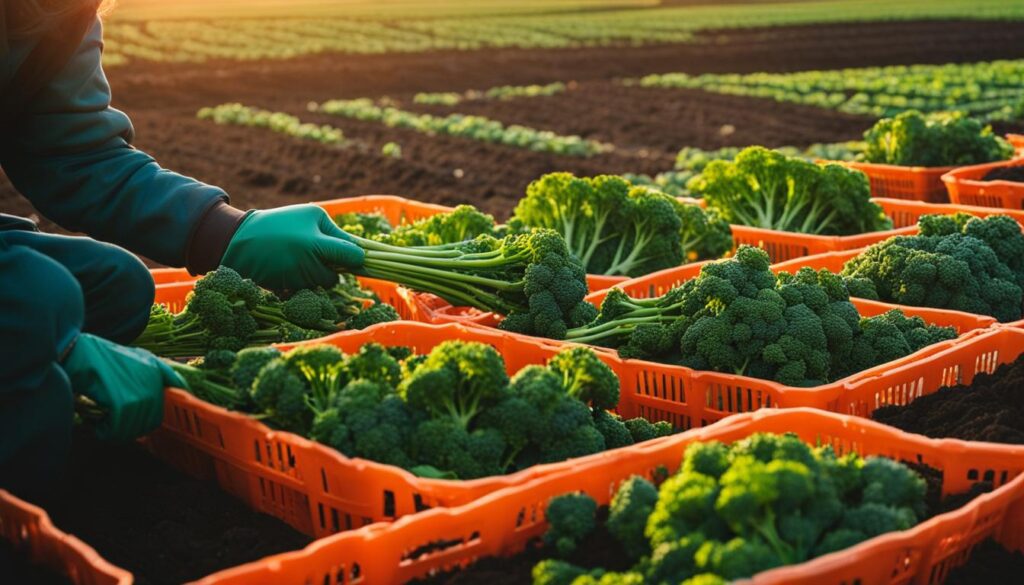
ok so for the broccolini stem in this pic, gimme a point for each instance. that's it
(459, 263)
(372, 263)
(373, 245)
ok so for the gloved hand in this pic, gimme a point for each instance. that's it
(291, 248)
(127, 382)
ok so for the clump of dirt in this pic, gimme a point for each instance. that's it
(990, 409)
(1015, 174)
(161, 525)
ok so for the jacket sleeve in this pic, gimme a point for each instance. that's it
(70, 156)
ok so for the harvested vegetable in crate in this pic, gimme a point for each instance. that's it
(738, 317)
(959, 262)
(938, 139)
(530, 278)
(453, 413)
(228, 312)
(618, 229)
(764, 188)
(735, 510)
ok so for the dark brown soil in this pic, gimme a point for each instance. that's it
(16, 570)
(990, 409)
(601, 550)
(989, 563)
(1015, 174)
(161, 525)
(261, 169)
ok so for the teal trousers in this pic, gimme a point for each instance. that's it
(51, 289)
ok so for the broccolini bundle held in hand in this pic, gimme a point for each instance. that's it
(531, 278)
(740, 318)
(228, 312)
(939, 139)
(452, 413)
(617, 229)
(959, 262)
(766, 189)
(735, 510)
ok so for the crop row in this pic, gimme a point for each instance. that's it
(240, 115)
(473, 127)
(504, 92)
(256, 38)
(991, 90)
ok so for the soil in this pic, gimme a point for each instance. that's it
(990, 409)
(989, 563)
(648, 126)
(16, 569)
(161, 525)
(601, 550)
(1015, 174)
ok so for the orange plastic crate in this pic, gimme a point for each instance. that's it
(898, 182)
(28, 529)
(689, 398)
(906, 213)
(1017, 140)
(782, 246)
(966, 186)
(312, 487)
(505, 522)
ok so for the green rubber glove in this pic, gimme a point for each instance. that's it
(291, 248)
(126, 382)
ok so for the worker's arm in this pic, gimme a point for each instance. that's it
(69, 154)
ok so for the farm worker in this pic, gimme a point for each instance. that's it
(69, 304)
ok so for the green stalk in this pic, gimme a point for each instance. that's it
(372, 263)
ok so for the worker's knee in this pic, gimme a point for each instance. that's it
(119, 298)
(41, 313)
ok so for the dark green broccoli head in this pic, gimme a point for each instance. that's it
(457, 380)
(571, 518)
(627, 519)
(586, 377)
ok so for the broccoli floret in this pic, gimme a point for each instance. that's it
(377, 313)
(456, 381)
(444, 445)
(366, 419)
(704, 235)
(612, 429)
(586, 377)
(736, 558)
(219, 359)
(463, 223)
(375, 363)
(555, 572)
(643, 430)
(248, 364)
(280, 393)
(367, 225)
(571, 518)
(705, 579)
(627, 519)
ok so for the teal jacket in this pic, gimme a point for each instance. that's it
(71, 156)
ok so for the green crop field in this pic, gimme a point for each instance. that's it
(228, 29)
(994, 91)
